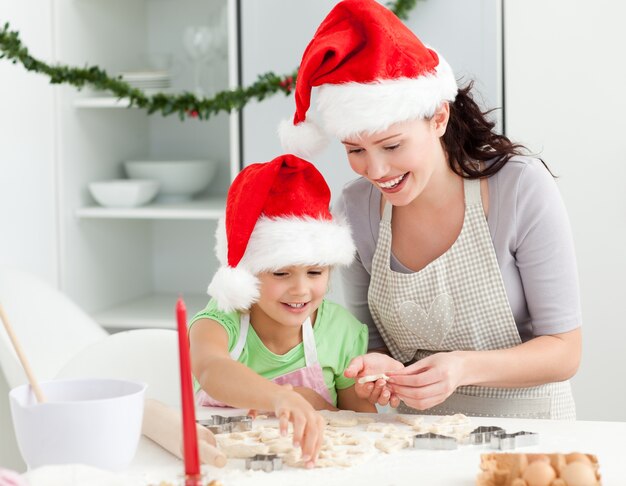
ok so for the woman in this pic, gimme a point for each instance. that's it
(465, 266)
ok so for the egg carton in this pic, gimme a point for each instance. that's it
(554, 469)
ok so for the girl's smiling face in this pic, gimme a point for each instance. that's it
(289, 295)
(401, 160)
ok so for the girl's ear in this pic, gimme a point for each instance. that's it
(440, 119)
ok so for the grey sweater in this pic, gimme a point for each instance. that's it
(532, 240)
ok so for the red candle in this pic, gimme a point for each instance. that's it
(190, 439)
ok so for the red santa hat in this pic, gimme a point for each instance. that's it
(277, 215)
(372, 72)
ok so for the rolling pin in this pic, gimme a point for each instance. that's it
(163, 425)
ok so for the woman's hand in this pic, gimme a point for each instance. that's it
(429, 381)
(372, 364)
(308, 424)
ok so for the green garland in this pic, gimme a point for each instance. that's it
(185, 104)
(402, 8)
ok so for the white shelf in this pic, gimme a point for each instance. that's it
(151, 311)
(202, 209)
(102, 102)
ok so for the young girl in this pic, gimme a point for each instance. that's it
(268, 340)
(465, 268)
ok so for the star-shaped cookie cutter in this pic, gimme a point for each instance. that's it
(264, 462)
(434, 442)
(219, 424)
(504, 441)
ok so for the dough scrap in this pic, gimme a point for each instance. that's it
(268, 434)
(370, 378)
(390, 445)
(342, 418)
(381, 427)
(241, 450)
(410, 419)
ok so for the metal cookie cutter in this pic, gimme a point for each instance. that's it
(483, 434)
(434, 442)
(264, 462)
(218, 424)
(505, 441)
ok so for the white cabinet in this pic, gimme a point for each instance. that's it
(127, 266)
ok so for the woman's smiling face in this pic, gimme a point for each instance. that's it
(400, 161)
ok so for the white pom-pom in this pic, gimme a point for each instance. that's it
(234, 289)
(304, 140)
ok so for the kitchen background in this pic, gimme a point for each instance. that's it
(553, 66)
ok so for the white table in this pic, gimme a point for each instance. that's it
(408, 467)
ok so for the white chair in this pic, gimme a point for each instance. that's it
(50, 327)
(146, 355)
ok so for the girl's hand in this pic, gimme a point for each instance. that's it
(429, 381)
(308, 424)
(372, 364)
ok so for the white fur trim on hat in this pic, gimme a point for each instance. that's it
(277, 243)
(304, 139)
(281, 242)
(351, 108)
(234, 288)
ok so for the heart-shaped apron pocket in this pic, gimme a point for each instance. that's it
(431, 326)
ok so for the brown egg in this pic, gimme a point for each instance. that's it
(518, 482)
(538, 473)
(558, 482)
(577, 457)
(579, 474)
(538, 457)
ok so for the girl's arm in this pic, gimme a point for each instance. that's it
(234, 383)
(222, 377)
(347, 399)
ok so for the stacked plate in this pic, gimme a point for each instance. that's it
(150, 82)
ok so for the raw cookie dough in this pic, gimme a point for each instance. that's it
(390, 445)
(368, 378)
(241, 450)
(409, 419)
(342, 418)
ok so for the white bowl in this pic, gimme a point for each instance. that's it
(124, 193)
(180, 179)
(88, 421)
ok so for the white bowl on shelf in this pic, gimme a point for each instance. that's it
(180, 179)
(124, 193)
(89, 421)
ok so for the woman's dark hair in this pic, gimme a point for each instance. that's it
(470, 137)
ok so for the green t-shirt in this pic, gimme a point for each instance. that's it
(339, 337)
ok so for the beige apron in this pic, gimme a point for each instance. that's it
(457, 302)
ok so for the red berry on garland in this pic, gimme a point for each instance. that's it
(287, 84)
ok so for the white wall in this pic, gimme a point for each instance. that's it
(28, 204)
(565, 98)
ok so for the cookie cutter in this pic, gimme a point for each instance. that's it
(264, 462)
(504, 441)
(434, 442)
(218, 424)
(483, 434)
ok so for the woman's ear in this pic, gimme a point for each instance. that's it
(440, 119)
